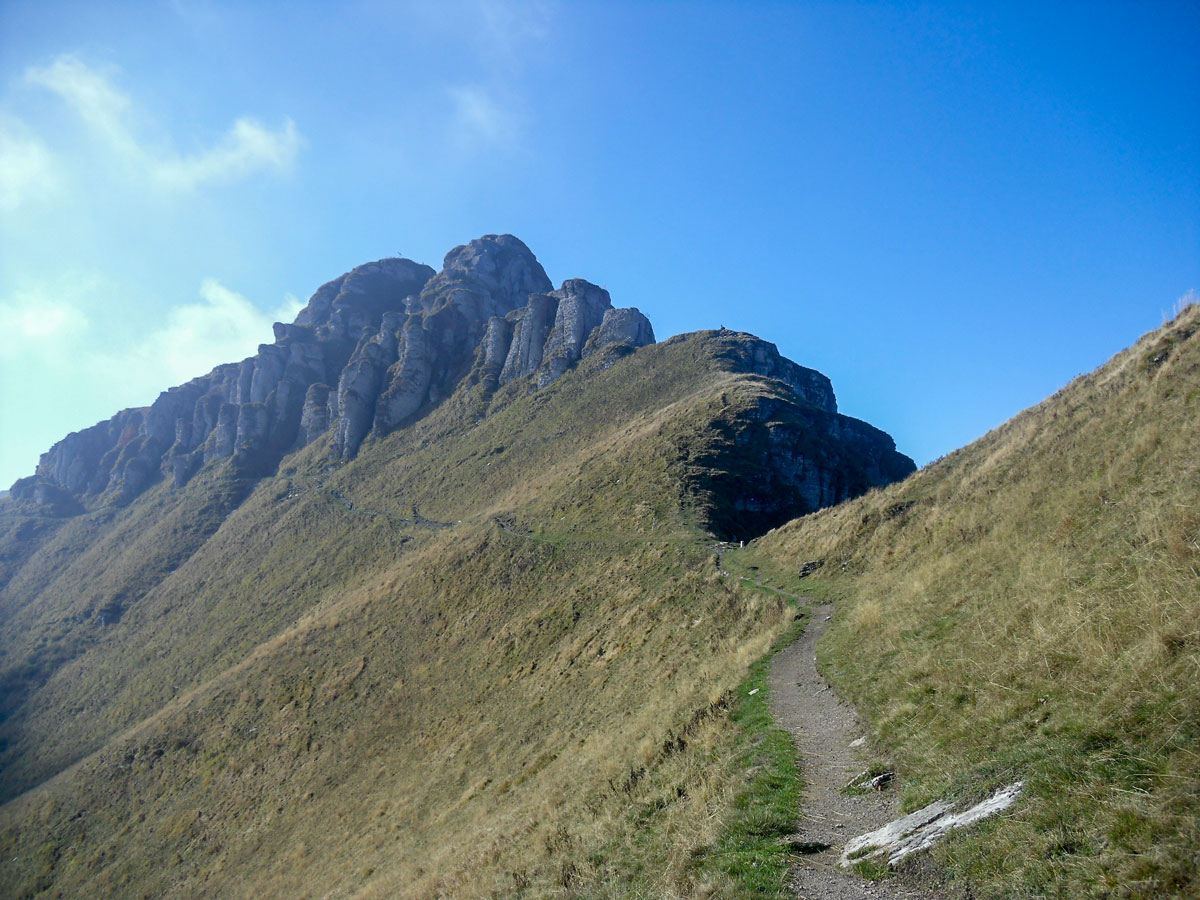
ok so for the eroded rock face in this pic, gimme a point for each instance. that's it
(531, 327)
(255, 411)
(369, 353)
(621, 326)
(408, 379)
(488, 277)
(359, 387)
(581, 309)
(318, 412)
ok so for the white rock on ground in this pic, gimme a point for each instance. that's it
(922, 829)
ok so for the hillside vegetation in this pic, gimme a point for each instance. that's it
(1029, 608)
(492, 656)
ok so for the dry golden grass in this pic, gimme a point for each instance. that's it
(1029, 607)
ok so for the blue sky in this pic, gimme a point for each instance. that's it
(950, 209)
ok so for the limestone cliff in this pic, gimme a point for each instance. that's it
(371, 351)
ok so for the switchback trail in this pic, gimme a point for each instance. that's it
(823, 728)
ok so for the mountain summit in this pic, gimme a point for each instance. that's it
(371, 350)
(380, 346)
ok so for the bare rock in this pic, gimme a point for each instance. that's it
(358, 390)
(496, 342)
(531, 327)
(747, 353)
(408, 379)
(581, 308)
(920, 830)
(316, 414)
(490, 276)
(621, 326)
(358, 299)
(221, 442)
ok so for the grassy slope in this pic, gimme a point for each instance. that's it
(324, 697)
(1029, 607)
(85, 571)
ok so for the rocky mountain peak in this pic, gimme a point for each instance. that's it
(359, 298)
(487, 277)
(372, 351)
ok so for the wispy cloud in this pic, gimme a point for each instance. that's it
(27, 169)
(48, 325)
(492, 42)
(29, 321)
(65, 362)
(509, 28)
(223, 327)
(246, 148)
(112, 116)
(480, 118)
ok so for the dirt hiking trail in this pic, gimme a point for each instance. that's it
(823, 728)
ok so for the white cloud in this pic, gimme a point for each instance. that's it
(480, 118)
(247, 147)
(38, 323)
(105, 109)
(47, 327)
(224, 327)
(68, 360)
(44, 319)
(27, 170)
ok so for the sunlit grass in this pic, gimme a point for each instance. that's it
(1029, 607)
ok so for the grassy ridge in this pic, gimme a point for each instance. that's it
(1029, 607)
(535, 701)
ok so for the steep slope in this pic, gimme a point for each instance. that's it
(481, 648)
(1029, 607)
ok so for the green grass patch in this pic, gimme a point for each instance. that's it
(751, 848)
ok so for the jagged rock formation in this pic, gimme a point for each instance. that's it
(377, 348)
(370, 352)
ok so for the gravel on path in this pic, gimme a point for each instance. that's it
(823, 728)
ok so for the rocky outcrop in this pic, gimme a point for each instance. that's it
(359, 387)
(581, 309)
(318, 412)
(531, 327)
(789, 452)
(496, 341)
(738, 351)
(487, 277)
(621, 326)
(553, 331)
(370, 352)
(408, 379)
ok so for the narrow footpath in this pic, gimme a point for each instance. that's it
(824, 728)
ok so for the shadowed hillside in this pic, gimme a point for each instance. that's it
(1029, 608)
